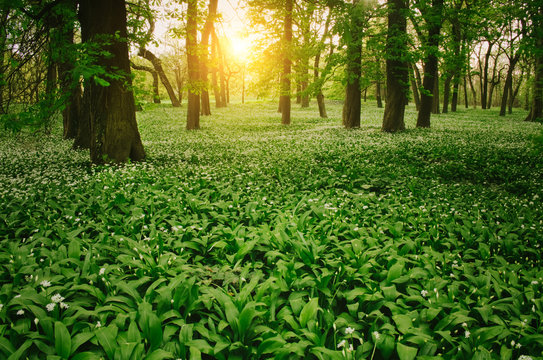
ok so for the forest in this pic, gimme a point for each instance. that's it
(271, 179)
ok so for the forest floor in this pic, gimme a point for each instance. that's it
(250, 240)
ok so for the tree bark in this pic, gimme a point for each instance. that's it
(508, 86)
(316, 77)
(114, 130)
(287, 64)
(193, 107)
(414, 87)
(435, 102)
(536, 110)
(352, 105)
(157, 64)
(397, 68)
(430, 64)
(206, 33)
(378, 85)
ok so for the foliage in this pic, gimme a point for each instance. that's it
(251, 240)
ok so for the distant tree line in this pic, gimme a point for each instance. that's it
(73, 57)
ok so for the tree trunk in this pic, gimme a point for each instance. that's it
(378, 94)
(316, 77)
(397, 68)
(68, 85)
(221, 88)
(508, 87)
(514, 93)
(285, 76)
(430, 64)
(446, 93)
(466, 100)
(351, 107)
(415, 85)
(180, 81)
(435, 102)
(193, 107)
(206, 33)
(114, 130)
(484, 77)
(536, 110)
(157, 64)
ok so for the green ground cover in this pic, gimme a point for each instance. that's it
(250, 240)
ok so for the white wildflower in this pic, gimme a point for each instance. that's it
(467, 334)
(36, 321)
(341, 344)
(64, 305)
(98, 324)
(20, 312)
(424, 293)
(376, 335)
(524, 357)
(45, 283)
(102, 271)
(57, 298)
(349, 331)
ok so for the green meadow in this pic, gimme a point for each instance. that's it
(251, 240)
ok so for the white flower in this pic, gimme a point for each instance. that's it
(102, 271)
(57, 298)
(20, 312)
(518, 345)
(17, 296)
(341, 344)
(98, 324)
(50, 307)
(464, 324)
(64, 305)
(524, 357)
(424, 293)
(512, 342)
(1, 307)
(36, 321)
(467, 334)
(376, 335)
(45, 283)
(349, 331)
(534, 282)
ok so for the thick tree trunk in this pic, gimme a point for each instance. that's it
(536, 110)
(430, 64)
(285, 76)
(397, 68)
(193, 108)
(514, 93)
(157, 64)
(114, 131)
(83, 137)
(352, 105)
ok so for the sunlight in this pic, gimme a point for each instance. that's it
(240, 47)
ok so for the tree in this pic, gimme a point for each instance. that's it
(432, 17)
(535, 13)
(353, 72)
(193, 111)
(154, 74)
(287, 63)
(206, 33)
(110, 107)
(397, 67)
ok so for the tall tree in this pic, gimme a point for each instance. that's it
(205, 54)
(110, 107)
(193, 111)
(397, 67)
(353, 72)
(287, 64)
(432, 15)
(535, 13)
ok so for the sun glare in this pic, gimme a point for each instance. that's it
(240, 47)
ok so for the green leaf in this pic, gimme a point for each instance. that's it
(86, 355)
(133, 334)
(403, 323)
(21, 350)
(159, 354)
(395, 271)
(80, 339)
(63, 341)
(107, 339)
(6, 347)
(406, 352)
(309, 311)
(270, 345)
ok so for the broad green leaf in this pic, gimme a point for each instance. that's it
(107, 338)
(406, 352)
(403, 323)
(63, 341)
(309, 312)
